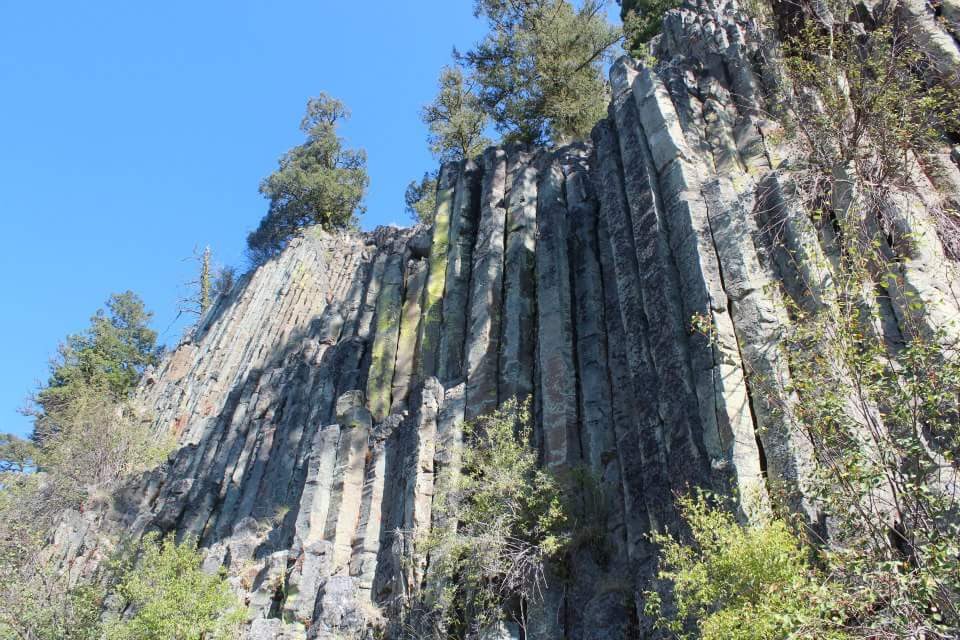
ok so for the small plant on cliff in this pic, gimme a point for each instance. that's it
(883, 422)
(881, 411)
(500, 520)
(167, 596)
(642, 20)
(733, 582)
(318, 182)
(866, 116)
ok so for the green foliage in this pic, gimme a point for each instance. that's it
(48, 608)
(223, 280)
(86, 432)
(206, 281)
(87, 435)
(885, 431)
(642, 20)
(37, 600)
(740, 583)
(883, 426)
(865, 101)
(98, 441)
(211, 282)
(421, 199)
(16, 454)
(501, 520)
(455, 119)
(881, 414)
(540, 67)
(170, 597)
(318, 182)
(108, 358)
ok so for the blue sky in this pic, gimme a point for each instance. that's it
(132, 132)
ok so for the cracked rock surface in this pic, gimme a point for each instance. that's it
(317, 401)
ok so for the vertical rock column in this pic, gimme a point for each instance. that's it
(518, 325)
(384, 352)
(370, 297)
(558, 378)
(366, 543)
(622, 409)
(596, 428)
(463, 233)
(403, 379)
(304, 580)
(684, 432)
(724, 406)
(418, 501)
(486, 294)
(652, 484)
(345, 495)
(430, 325)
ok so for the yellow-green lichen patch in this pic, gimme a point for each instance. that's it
(433, 295)
(384, 351)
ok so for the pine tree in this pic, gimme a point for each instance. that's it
(541, 67)
(318, 182)
(455, 119)
(421, 198)
(108, 358)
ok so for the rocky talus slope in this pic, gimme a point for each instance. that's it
(317, 402)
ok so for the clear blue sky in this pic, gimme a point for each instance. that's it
(132, 132)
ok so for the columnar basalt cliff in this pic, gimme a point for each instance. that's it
(317, 402)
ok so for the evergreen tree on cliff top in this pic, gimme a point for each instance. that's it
(318, 182)
(456, 122)
(455, 118)
(541, 67)
(109, 356)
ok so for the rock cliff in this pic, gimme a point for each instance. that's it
(317, 401)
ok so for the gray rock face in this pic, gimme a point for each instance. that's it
(629, 285)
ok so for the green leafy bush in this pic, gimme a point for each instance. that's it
(421, 199)
(499, 522)
(37, 600)
(169, 597)
(733, 582)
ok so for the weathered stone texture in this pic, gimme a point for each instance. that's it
(486, 288)
(633, 286)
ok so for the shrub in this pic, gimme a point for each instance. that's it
(37, 600)
(169, 597)
(740, 583)
(421, 199)
(500, 522)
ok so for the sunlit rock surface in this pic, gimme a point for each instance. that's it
(317, 402)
